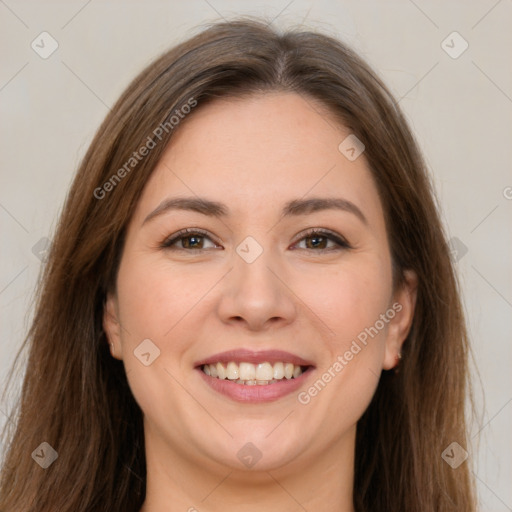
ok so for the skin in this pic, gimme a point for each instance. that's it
(255, 154)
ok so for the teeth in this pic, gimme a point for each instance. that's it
(247, 371)
(221, 371)
(232, 372)
(251, 375)
(264, 371)
(278, 370)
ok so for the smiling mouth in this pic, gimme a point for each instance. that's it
(250, 374)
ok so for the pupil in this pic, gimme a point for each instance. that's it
(315, 240)
(190, 241)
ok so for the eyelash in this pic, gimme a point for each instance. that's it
(189, 232)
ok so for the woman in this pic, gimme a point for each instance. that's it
(249, 302)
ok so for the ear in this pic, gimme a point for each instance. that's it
(111, 325)
(404, 302)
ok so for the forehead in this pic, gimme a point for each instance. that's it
(257, 153)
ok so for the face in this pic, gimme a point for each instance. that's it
(285, 271)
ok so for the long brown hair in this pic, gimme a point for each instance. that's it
(75, 396)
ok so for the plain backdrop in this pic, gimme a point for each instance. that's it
(458, 101)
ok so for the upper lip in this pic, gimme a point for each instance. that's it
(250, 356)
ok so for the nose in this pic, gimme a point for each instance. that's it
(256, 294)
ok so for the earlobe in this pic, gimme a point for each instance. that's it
(399, 326)
(111, 325)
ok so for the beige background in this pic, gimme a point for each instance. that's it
(460, 109)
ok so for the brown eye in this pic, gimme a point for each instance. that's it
(189, 239)
(319, 240)
(316, 242)
(192, 241)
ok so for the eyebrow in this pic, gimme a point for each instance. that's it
(291, 208)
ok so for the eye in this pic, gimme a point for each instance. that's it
(318, 238)
(190, 238)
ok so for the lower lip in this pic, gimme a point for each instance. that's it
(257, 393)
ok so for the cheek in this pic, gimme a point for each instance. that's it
(350, 298)
(154, 304)
(352, 359)
(154, 296)
(351, 302)
(167, 304)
